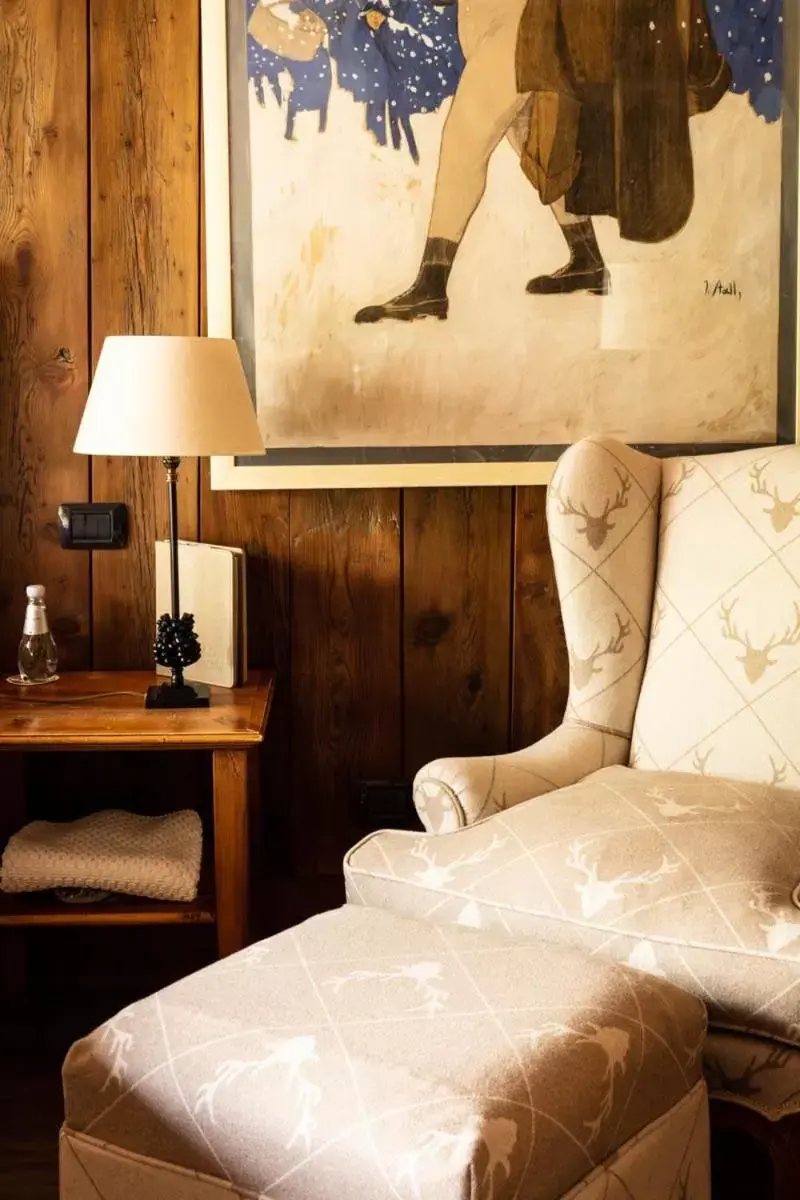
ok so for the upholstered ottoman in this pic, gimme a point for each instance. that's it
(364, 1055)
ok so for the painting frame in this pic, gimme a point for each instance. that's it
(440, 466)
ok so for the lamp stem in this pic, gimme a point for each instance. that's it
(171, 467)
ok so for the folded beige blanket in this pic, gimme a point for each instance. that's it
(157, 857)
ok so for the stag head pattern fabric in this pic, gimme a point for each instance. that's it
(692, 879)
(759, 1074)
(668, 1160)
(453, 792)
(364, 1055)
(721, 691)
(722, 680)
(602, 514)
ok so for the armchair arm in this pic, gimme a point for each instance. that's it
(602, 519)
(453, 792)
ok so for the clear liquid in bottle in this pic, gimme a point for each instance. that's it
(37, 657)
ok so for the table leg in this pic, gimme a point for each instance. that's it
(13, 945)
(234, 784)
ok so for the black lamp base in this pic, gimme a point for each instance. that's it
(187, 695)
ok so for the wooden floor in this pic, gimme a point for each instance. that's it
(68, 994)
(64, 1002)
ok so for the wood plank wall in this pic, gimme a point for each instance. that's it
(403, 625)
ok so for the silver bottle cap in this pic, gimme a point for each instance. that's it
(35, 612)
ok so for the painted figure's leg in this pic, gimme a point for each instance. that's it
(289, 134)
(484, 106)
(586, 270)
(559, 210)
(517, 132)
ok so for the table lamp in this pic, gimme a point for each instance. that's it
(171, 398)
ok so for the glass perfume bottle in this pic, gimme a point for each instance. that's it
(37, 657)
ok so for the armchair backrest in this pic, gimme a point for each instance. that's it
(602, 516)
(721, 690)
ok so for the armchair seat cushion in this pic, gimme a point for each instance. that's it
(690, 878)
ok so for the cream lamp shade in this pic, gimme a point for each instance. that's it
(171, 397)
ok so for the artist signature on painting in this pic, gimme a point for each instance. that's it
(719, 287)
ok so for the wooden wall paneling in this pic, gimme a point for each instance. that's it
(145, 180)
(541, 669)
(43, 314)
(259, 523)
(457, 614)
(346, 669)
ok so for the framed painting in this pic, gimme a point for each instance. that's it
(451, 238)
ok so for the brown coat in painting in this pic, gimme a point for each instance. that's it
(613, 84)
(595, 96)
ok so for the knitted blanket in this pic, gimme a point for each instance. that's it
(156, 857)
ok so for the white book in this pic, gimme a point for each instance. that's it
(213, 588)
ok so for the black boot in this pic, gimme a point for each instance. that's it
(585, 271)
(427, 296)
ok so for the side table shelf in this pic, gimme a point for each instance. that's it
(104, 710)
(39, 908)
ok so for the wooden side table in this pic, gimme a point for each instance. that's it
(104, 710)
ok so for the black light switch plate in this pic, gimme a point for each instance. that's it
(93, 526)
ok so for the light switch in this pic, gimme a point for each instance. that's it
(93, 526)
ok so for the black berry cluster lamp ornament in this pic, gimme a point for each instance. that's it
(171, 398)
(177, 645)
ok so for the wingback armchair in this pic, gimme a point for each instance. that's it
(660, 823)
